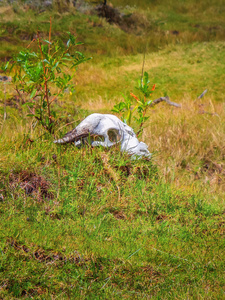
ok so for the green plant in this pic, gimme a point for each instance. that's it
(142, 104)
(38, 76)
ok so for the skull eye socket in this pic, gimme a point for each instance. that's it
(114, 135)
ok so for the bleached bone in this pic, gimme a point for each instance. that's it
(106, 130)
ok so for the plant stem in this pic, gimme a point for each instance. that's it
(49, 127)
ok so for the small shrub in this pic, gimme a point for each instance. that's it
(141, 104)
(38, 76)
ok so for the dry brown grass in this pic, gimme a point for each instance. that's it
(189, 144)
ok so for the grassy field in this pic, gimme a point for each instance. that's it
(92, 223)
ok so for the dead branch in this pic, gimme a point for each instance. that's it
(205, 91)
(202, 94)
(202, 112)
(166, 99)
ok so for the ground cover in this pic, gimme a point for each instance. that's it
(94, 224)
(107, 228)
(151, 26)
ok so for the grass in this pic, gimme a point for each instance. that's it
(104, 235)
(92, 223)
(153, 26)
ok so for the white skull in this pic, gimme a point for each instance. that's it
(106, 130)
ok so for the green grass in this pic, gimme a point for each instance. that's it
(94, 239)
(177, 71)
(93, 223)
(155, 26)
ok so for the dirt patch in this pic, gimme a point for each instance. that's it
(14, 102)
(129, 23)
(111, 14)
(43, 255)
(5, 78)
(32, 184)
(212, 167)
(161, 218)
(119, 215)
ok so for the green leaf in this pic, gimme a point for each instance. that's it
(47, 42)
(72, 39)
(33, 93)
(45, 60)
(54, 114)
(44, 104)
(128, 117)
(6, 66)
(30, 104)
(78, 52)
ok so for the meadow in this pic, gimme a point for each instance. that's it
(92, 223)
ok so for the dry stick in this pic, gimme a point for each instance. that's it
(5, 115)
(31, 43)
(203, 111)
(49, 38)
(118, 266)
(5, 79)
(208, 113)
(166, 99)
(67, 124)
(143, 64)
(55, 96)
(21, 97)
(202, 94)
(45, 78)
(205, 91)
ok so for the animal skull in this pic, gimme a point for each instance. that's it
(106, 130)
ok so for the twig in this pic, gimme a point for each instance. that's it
(31, 43)
(143, 65)
(49, 39)
(46, 81)
(202, 112)
(205, 91)
(67, 124)
(22, 101)
(117, 267)
(5, 115)
(166, 99)
(202, 94)
(50, 102)
(5, 79)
